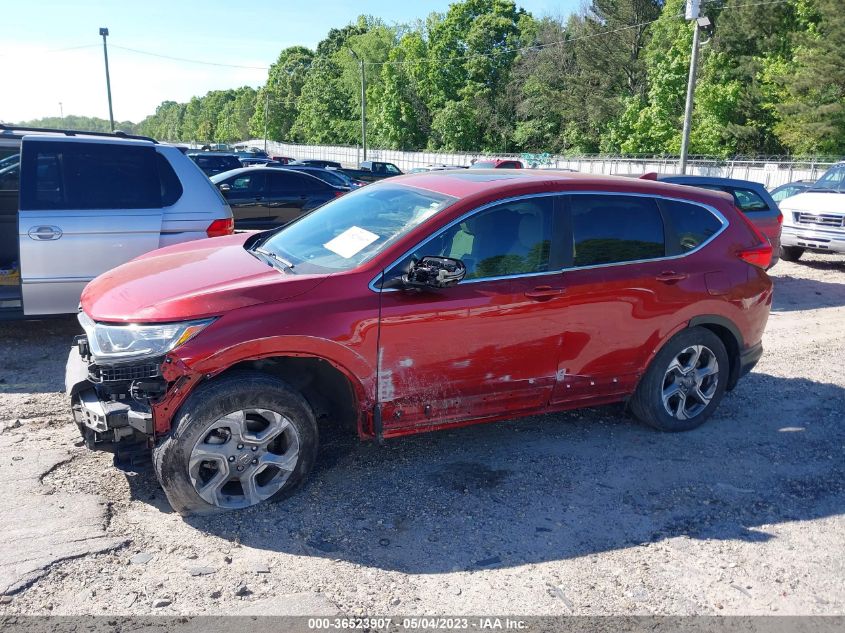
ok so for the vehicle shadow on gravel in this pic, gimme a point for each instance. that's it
(798, 294)
(562, 486)
(33, 354)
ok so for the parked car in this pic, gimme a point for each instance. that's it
(373, 170)
(418, 303)
(498, 163)
(213, 163)
(268, 197)
(790, 189)
(750, 197)
(316, 162)
(81, 203)
(284, 160)
(815, 219)
(253, 162)
(217, 147)
(332, 176)
(251, 152)
(427, 168)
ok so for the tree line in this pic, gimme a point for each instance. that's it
(488, 76)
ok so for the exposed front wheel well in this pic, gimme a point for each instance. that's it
(327, 390)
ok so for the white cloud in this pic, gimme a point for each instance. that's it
(37, 80)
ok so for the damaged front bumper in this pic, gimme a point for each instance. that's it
(111, 404)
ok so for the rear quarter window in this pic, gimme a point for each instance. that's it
(693, 225)
(171, 187)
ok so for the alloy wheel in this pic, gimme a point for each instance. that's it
(690, 382)
(243, 458)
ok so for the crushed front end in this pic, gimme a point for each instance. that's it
(116, 384)
(112, 404)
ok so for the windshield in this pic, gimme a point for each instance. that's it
(354, 228)
(831, 180)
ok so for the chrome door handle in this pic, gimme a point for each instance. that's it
(670, 276)
(544, 293)
(44, 233)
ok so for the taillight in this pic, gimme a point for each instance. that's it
(223, 226)
(780, 218)
(760, 255)
(338, 194)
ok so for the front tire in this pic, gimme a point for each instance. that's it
(237, 441)
(791, 253)
(684, 383)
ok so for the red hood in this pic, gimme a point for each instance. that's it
(187, 281)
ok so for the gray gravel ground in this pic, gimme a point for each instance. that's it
(585, 512)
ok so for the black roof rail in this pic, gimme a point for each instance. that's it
(118, 134)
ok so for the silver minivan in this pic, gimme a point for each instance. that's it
(74, 205)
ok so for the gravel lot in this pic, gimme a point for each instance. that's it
(585, 513)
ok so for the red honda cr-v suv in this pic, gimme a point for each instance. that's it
(419, 303)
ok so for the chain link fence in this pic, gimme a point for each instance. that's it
(771, 171)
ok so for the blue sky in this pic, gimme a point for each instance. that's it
(37, 34)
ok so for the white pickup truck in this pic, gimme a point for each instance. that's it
(815, 219)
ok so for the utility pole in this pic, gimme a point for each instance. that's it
(692, 13)
(105, 33)
(363, 104)
(266, 112)
(62, 112)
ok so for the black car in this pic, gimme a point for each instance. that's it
(212, 163)
(331, 176)
(267, 197)
(318, 162)
(251, 152)
(252, 162)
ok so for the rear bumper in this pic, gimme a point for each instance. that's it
(749, 358)
(816, 239)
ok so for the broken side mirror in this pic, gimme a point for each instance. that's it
(434, 272)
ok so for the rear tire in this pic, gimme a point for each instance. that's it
(684, 383)
(791, 253)
(237, 441)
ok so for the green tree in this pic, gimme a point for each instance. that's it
(812, 115)
(282, 90)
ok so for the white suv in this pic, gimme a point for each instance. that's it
(75, 204)
(815, 219)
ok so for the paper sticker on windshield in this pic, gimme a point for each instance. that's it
(352, 241)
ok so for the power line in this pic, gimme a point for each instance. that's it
(185, 59)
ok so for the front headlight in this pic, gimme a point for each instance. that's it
(127, 342)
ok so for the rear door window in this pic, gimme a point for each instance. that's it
(615, 229)
(71, 175)
(693, 225)
(284, 183)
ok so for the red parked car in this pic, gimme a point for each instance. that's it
(418, 303)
